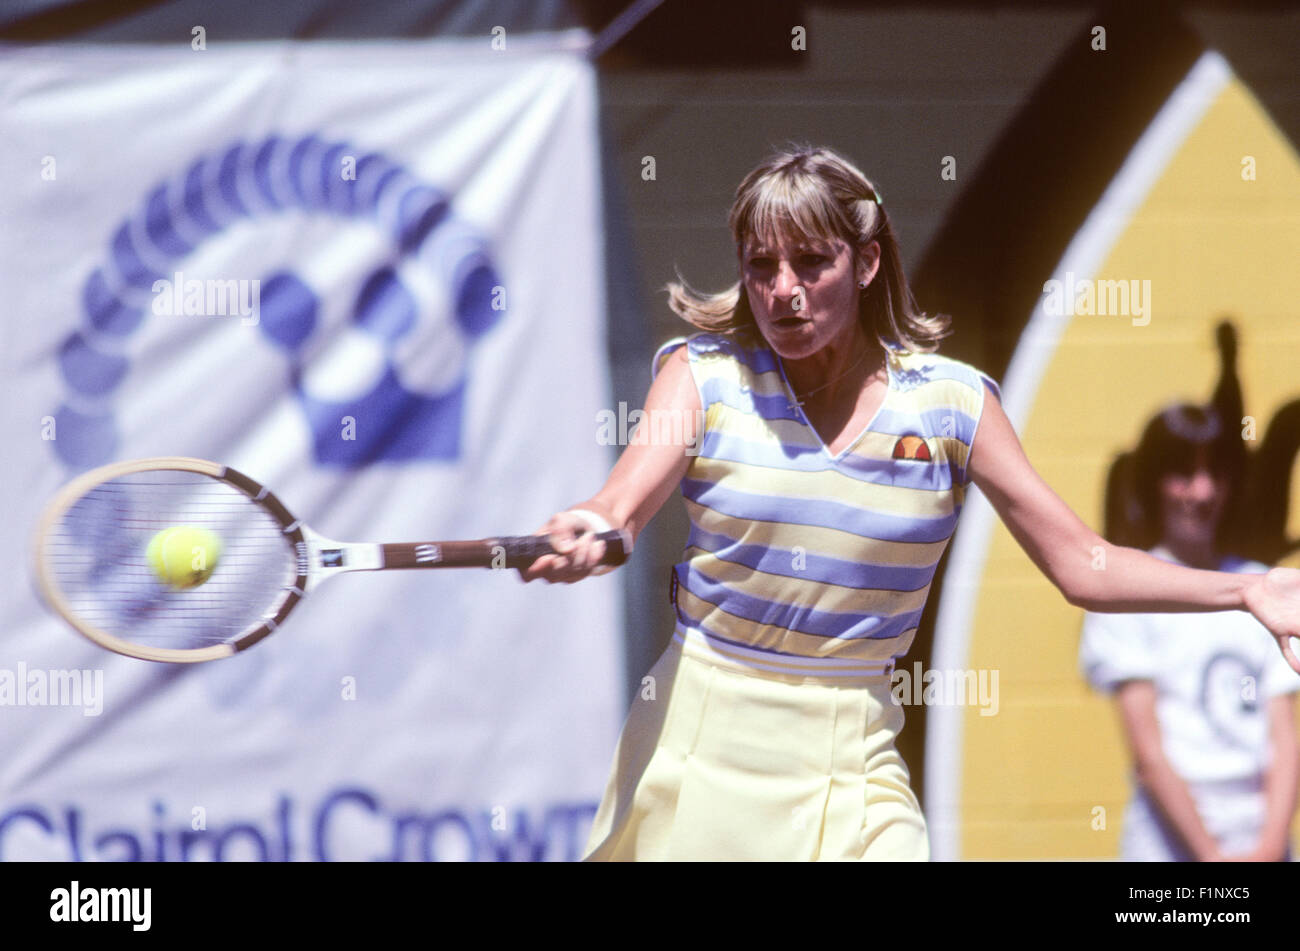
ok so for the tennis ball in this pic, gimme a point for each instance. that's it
(184, 556)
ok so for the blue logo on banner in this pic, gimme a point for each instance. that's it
(249, 180)
(317, 829)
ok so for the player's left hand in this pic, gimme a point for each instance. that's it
(1275, 601)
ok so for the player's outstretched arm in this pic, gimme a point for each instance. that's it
(646, 474)
(1094, 574)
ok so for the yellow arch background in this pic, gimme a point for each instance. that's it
(1212, 245)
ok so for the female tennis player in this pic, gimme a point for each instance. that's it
(824, 451)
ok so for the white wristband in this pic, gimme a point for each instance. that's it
(598, 524)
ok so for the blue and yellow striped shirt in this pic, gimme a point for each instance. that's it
(801, 562)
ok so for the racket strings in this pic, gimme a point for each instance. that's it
(97, 557)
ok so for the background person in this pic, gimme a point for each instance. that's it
(1206, 700)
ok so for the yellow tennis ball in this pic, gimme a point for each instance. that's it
(184, 556)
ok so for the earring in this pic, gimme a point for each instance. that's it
(862, 284)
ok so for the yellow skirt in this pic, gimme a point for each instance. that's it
(722, 762)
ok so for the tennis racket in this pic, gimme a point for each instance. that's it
(93, 566)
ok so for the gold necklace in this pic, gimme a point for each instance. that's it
(795, 396)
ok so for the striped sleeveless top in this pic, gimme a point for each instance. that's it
(800, 562)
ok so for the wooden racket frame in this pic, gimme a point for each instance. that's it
(308, 549)
(75, 490)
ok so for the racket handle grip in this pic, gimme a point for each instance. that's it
(523, 550)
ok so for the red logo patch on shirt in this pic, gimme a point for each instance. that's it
(912, 447)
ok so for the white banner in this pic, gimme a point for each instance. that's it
(369, 276)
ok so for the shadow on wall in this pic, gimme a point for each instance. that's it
(1254, 526)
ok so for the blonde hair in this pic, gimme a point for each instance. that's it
(812, 192)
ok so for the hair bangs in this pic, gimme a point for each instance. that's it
(788, 207)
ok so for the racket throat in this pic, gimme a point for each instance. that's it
(325, 557)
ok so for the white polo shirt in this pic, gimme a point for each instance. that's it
(1214, 675)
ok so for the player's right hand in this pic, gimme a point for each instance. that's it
(578, 553)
